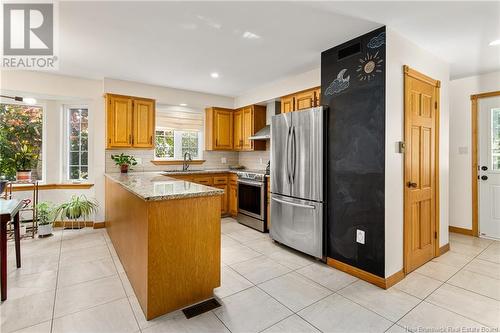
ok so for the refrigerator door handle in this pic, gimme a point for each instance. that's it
(294, 154)
(293, 203)
(288, 177)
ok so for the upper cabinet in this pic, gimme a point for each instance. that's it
(301, 100)
(218, 129)
(130, 121)
(248, 121)
(227, 129)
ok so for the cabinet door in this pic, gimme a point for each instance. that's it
(238, 130)
(223, 129)
(119, 121)
(224, 199)
(233, 199)
(144, 123)
(287, 104)
(304, 100)
(247, 128)
(317, 96)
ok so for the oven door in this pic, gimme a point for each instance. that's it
(251, 198)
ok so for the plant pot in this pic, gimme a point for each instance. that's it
(3, 184)
(44, 230)
(124, 168)
(23, 174)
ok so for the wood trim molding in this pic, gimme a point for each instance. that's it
(462, 231)
(383, 283)
(20, 188)
(475, 156)
(443, 249)
(486, 94)
(99, 225)
(176, 162)
(58, 224)
(419, 76)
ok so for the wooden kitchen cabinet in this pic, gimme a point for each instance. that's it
(130, 121)
(224, 199)
(233, 195)
(301, 100)
(218, 129)
(238, 130)
(248, 121)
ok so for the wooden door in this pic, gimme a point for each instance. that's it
(233, 198)
(238, 130)
(144, 123)
(223, 129)
(287, 104)
(247, 128)
(224, 199)
(420, 178)
(304, 100)
(119, 121)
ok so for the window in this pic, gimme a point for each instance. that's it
(78, 143)
(173, 144)
(179, 130)
(495, 139)
(21, 135)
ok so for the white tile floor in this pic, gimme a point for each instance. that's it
(74, 282)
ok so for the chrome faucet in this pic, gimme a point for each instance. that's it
(185, 165)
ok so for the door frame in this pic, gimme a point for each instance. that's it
(412, 73)
(475, 157)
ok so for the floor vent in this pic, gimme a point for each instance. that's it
(200, 308)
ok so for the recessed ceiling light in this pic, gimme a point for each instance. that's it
(183, 104)
(250, 35)
(215, 75)
(495, 42)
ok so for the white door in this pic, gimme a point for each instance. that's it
(489, 167)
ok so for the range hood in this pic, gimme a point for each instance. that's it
(272, 108)
(263, 134)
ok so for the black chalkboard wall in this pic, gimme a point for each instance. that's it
(353, 86)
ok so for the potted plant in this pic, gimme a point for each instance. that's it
(124, 161)
(45, 218)
(77, 207)
(25, 160)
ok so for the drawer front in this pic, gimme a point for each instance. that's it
(220, 180)
(204, 180)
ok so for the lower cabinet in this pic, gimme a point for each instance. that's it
(218, 181)
(233, 195)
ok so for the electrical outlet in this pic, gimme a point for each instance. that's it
(360, 236)
(223, 160)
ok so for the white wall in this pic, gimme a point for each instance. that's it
(280, 88)
(460, 136)
(401, 51)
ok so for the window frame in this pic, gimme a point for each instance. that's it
(66, 153)
(43, 106)
(178, 144)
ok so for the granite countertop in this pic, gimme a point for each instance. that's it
(152, 186)
(195, 171)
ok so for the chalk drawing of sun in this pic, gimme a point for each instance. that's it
(369, 66)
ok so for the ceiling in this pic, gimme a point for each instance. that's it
(178, 44)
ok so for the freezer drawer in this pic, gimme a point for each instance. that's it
(297, 224)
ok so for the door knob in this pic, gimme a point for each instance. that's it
(484, 168)
(484, 177)
(411, 185)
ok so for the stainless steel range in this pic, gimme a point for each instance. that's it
(252, 199)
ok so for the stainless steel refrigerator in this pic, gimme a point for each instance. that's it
(297, 180)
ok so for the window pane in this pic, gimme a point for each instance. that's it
(164, 147)
(78, 143)
(21, 128)
(495, 139)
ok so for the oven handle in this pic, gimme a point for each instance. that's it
(293, 204)
(249, 182)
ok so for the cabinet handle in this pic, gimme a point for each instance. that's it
(109, 140)
(130, 138)
(151, 139)
(216, 142)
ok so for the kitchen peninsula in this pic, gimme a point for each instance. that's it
(166, 233)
